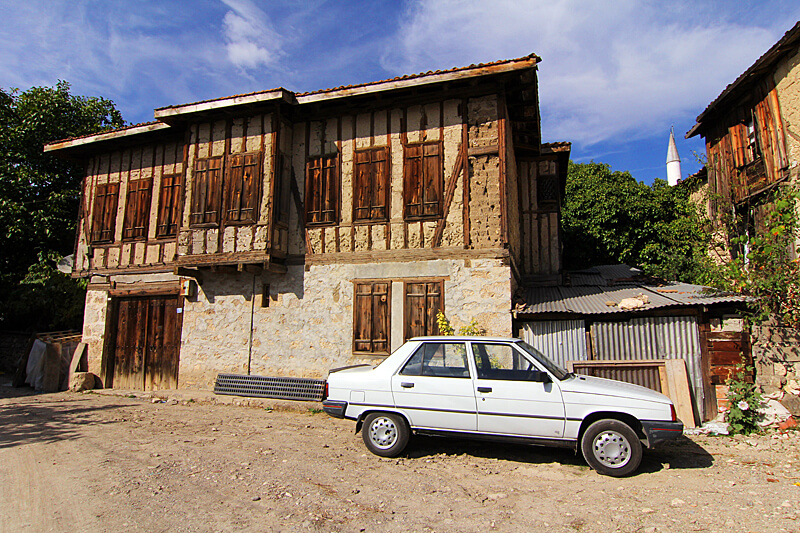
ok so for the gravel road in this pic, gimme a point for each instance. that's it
(97, 463)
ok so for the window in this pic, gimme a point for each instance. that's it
(206, 192)
(371, 317)
(547, 184)
(283, 175)
(105, 213)
(169, 205)
(322, 190)
(439, 359)
(423, 180)
(423, 301)
(241, 188)
(137, 209)
(371, 185)
(501, 361)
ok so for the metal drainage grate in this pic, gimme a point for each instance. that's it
(265, 387)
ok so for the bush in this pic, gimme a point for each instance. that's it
(743, 400)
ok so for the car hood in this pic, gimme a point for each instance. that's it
(579, 384)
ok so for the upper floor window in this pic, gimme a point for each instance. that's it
(137, 209)
(371, 185)
(105, 213)
(423, 180)
(169, 205)
(241, 188)
(322, 187)
(206, 191)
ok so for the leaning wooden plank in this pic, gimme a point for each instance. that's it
(679, 391)
(75, 364)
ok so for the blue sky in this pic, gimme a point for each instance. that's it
(614, 75)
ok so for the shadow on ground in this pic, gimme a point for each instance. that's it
(683, 453)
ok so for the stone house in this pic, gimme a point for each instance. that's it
(282, 234)
(752, 134)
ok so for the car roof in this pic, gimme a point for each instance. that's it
(472, 338)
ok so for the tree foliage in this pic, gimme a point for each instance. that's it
(609, 217)
(766, 267)
(39, 197)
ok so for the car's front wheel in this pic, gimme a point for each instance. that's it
(385, 434)
(611, 448)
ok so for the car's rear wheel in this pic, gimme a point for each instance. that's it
(385, 434)
(611, 448)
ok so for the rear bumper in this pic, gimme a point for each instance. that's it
(335, 408)
(658, 431)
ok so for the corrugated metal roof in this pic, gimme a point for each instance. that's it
(600, 300)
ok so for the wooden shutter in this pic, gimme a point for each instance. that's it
(206, 192)
(322, 186)
(105, 212)
(241, 188)
(168, 205)
(423, 301)
(371, 317)
(423, 180)
(371, 184)
(740, 142)
(282, 189)
(137, 209)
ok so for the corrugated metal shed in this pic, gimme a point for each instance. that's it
(599, 290)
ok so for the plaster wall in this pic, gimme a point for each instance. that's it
(787, 83)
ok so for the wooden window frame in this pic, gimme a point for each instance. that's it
(423, 179)
(104, 216)
(169, 202)
(371, 184)
(322, 190)
(241, 188)
(137, 209)
(430, 327)
(206, 204)
(382, 297)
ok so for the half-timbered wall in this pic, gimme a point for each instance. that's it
(539, 208)
(119, 225)
(214, 227)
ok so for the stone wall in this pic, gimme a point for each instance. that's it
(787, 83)
(304, 325)
(94, 328)
(776, 354)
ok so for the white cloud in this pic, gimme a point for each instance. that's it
(250, 39)
(609, 68)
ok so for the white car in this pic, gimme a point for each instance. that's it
(500, 389)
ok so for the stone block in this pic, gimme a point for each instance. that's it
(792, 403)
(81, 381)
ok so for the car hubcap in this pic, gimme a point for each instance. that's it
(383, 432)
(612, 449)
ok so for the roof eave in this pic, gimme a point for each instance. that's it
(181, 112)
(116, 135)
(391, 85)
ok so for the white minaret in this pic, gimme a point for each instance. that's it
(673, 161)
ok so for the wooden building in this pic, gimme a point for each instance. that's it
(752, 134)
(281, 233)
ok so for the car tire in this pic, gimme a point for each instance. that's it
(611, 448)
(385, 434)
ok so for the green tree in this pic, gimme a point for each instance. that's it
(39, 198)
(609, 217)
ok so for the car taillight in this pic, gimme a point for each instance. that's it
(671, 407)
(325, 395)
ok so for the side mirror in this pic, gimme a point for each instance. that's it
(540, 377)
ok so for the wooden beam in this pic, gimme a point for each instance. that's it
(448, 197)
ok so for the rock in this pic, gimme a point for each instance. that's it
(792, 403)
(81, 381)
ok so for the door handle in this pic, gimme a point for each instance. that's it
(484, 389)
(407, 385)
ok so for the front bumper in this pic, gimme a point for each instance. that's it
(658, 431)
(335, 408)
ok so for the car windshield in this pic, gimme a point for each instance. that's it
(551, 367)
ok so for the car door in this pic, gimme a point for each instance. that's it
(434, 388)
(509, 399)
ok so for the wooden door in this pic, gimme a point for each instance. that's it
(147, 341)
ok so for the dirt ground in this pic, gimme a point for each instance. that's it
(97, 463)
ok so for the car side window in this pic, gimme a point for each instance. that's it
(439, 359)
(502, 361)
